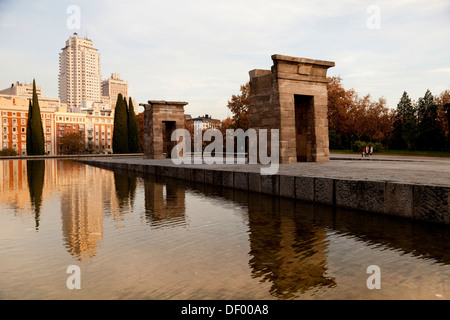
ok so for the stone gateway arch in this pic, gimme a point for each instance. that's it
(161, 118)
(292, 97)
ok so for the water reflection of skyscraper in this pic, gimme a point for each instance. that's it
(82, 207)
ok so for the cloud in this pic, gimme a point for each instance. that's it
(202, 50)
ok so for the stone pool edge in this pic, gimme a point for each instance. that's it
(428, 203)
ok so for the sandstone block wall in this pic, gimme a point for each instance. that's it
(292, 97)
(161, 118)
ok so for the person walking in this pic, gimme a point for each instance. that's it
(371, 150)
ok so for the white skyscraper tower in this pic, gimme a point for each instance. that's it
(79, 72)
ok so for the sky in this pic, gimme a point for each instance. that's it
(201, 51)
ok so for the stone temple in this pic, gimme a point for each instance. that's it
(292, 97)
(161, 118)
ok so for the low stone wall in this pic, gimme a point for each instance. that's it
(412, 201)
(72, 156)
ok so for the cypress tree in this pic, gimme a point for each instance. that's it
(447, 111)
(35, 132)
(430, 136)
(405, 108)
(403, 134)
(29, 139)
(133, 133)
(120, 131)
(424, 106)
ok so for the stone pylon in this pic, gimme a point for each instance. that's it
(292, 97)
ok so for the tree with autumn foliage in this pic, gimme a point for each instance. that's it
(238, 106)
(352, 118)
(224, 125)
(72, 143)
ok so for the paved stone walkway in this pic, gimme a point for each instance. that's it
(401, 169)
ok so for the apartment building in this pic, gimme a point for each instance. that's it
(85, 104)
(79, 72)
(21, 89)
(95, 125)
(113, 86)
(14, 128)
(204, 122)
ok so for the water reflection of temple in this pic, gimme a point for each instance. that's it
(285, 250)
(288, 242)
(164, 202)
(289, 253)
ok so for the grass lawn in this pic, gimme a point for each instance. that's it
(402, 153)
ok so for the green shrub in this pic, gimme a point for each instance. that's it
(335, 140)
(378, 147)
(359, 145)
(8, 152)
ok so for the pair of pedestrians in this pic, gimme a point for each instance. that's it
(367, 151)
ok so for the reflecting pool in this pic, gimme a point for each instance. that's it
(136, 237)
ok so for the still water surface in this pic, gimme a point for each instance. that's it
(161, 238)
